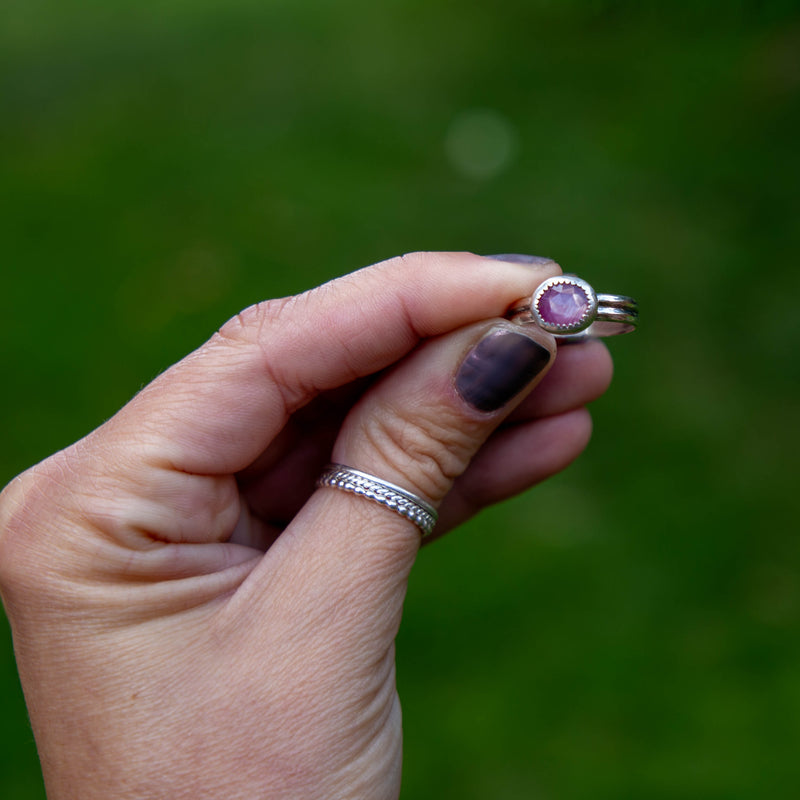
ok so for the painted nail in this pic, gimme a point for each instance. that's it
(519, 258)
(498, 368)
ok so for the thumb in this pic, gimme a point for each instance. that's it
(420, 427)
(417, 428)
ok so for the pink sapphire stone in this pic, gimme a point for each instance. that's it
(563, 304)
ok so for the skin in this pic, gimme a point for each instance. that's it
(191, 618)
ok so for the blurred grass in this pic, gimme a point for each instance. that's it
(629, 629)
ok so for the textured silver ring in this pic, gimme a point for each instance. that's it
(569, 308)
(399, 500)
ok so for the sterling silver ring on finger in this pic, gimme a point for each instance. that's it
(569, 308)
(394, 497)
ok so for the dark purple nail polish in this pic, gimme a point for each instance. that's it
(498, 368)
(519, 258)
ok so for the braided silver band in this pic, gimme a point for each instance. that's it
(408, 505)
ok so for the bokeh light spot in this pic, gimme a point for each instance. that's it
(481, 143)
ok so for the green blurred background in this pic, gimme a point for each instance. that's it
(629, 629)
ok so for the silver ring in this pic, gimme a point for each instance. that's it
(569, 308)
(399, 500)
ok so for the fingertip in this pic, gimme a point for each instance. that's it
(581, 426)
(504, 363)
(514, 460)
(579, 375)
(596, 365)
(562, 438)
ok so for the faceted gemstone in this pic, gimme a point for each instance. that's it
(563, 304)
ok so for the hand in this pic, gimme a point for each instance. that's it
(191, 618)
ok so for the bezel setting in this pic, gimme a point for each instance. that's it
(587, 316)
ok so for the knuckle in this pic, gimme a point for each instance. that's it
(25, 505)
(416, 263)
(249, 338)
(247, 326)
(427, 449)
(12, 517)
(418, 258)
(42, 514)
(414, 259)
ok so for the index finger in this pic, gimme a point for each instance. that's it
(219, 408)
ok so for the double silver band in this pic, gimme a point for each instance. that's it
(606, 315)
(408, 505)
(615, 314)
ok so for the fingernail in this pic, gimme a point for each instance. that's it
(498, 368)
(519, 258)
